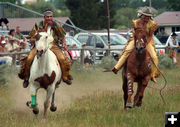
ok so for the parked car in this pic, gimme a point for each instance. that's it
(71, 41)
(100, 41)
(163, 38)
(160, 48)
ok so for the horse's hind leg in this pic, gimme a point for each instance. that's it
(53, 108)
(50, 91)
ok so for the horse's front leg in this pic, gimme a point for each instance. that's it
(130, 80)
(50, 91)
(125, 89)
(53, 108)
(141, 93)
(33, 103)
(136, 97)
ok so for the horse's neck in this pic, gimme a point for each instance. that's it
(141, 56)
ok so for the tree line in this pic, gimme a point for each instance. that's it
(92, 14)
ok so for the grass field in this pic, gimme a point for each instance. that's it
(93, 100)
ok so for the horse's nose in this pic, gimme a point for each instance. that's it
(39, 53)
(139, 49)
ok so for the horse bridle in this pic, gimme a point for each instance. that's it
(47, 47)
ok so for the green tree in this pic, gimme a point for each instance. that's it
(157, 4)
(39, 6)
(174, 5)
(60, 4)
(11, 1)
(123, 17)
(89, 14)
(121, 4)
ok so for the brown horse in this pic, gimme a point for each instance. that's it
(136, 69)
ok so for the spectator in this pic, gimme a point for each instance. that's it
(2, 39)
(173, 42)
(68, 53)
(87, 56)
(13, 44)
(4, 23)
(4, 58)
(75, 53)
(19, 35)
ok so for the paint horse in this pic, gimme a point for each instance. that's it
(45, 71)
(136, 69)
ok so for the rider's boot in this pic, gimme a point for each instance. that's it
(66, 75)
(65, 64)
(25, 68)
(21, 73)
(153, 79)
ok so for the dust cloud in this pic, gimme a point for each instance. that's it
(64, 96)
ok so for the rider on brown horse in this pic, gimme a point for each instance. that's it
(146, 23)
(58, 34)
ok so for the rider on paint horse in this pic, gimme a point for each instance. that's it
(146, 23)
(58, 34)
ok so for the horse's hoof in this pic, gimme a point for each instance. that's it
(35, 111)
(138, 104)
(128, 105)
(53, 108)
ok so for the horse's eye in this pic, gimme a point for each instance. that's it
(46, 37)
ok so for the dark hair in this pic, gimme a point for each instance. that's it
(12, 30)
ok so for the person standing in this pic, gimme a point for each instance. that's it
(173, 43)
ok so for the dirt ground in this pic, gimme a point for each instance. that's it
(65, 94)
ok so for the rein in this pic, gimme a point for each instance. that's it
(165, 84)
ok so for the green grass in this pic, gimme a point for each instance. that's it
(99, 103)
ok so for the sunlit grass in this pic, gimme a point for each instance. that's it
(101, 104)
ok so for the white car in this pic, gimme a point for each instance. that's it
(71, 41)
(100, 41)
(160, 48)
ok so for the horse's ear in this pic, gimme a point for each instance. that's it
(145, 39)
(51, 33)
(36, 27)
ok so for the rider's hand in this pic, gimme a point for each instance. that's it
(32, 40)
(51, 23)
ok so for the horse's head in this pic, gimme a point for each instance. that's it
(140, 40)
(43, 40)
